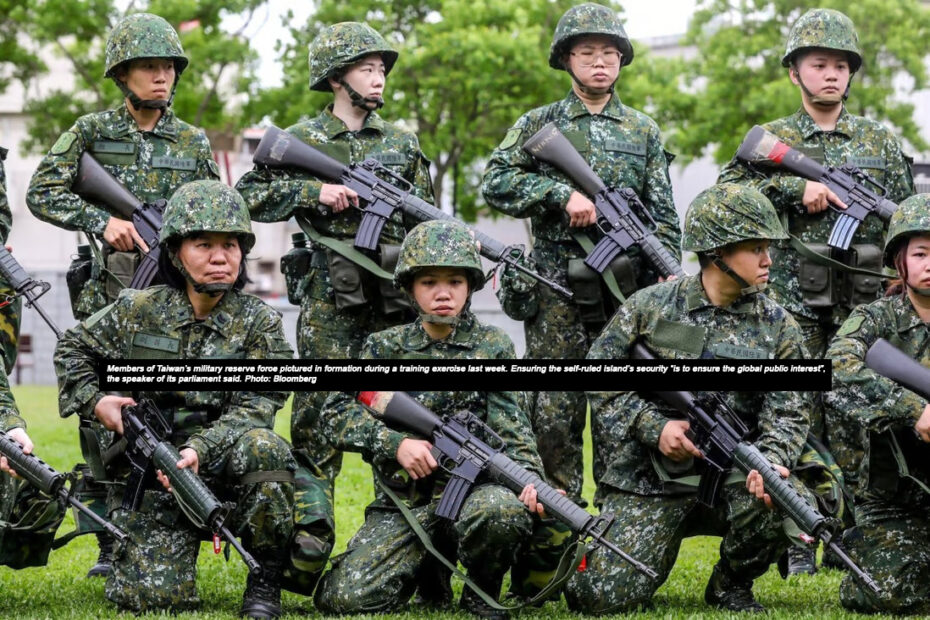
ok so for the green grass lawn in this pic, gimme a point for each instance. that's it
(60, 590)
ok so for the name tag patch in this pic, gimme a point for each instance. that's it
(737, 352)
(877, 163)
(158, 343)
(109, 146)
(621, 146)
(389, 159)
(174, 163)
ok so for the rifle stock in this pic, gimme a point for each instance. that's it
(892, 363)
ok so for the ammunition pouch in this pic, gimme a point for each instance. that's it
(863, 288)
(28, 522)
(354, 286)
(624, 273)
(585, 284)
(393, 301)
(78, 275)
(346, 278)
(122, 266)
(518, 294)
(819, 283)
(824, 286)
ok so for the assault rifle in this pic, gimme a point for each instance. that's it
(621, 226)
(892, 363)
(26, 286)
(848, 182)
(382, 192)
(96, 185)
(146, 432)
(467, 456)
(39, 474)
(718, 433)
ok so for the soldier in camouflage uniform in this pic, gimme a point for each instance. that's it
(624, 148)
(720, 314)
(822, 55)
(227, 436)
(342, 300)
(439, 269)
(148, 149)
(889, 539)
(10, 311)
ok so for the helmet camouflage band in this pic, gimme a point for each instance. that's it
(588, 19)
(143, 35)
(207, 206)
(438, 243)
(729, 213)
(342, 44)
(825, 29)
(912, 218)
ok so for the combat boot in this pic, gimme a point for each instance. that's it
(726, 591)
(802, 561)
(831, 560)
(262, 598)
(105, 558)
(434, 588)
(472, 603)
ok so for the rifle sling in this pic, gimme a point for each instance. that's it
(98, 256)
(343, 249)
(588, 246)
(570, 559)
(801, 248)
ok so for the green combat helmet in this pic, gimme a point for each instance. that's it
(206, 206)
(826, 29)
(729, 213)
(143, 35)
(587, 19)
(438, 243)
(341, 45)
(912, 218)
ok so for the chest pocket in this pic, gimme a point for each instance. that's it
(632, 157)
(671, 340)
(114, 152)
(815, 152)
(150, 346)
(337, 150)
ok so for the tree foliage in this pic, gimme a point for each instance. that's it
(736, 80)
(77, 32)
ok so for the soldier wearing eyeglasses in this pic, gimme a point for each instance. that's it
(624, 148)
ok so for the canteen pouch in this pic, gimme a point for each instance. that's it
(123, 265)
(624, 273)
(819, 283)
(295, 265)
(393, 301)
(585, 284)
(346, 278)
(865, 289)
(78, 275)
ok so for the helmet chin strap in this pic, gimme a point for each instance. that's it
(923, 292)
(824, 101)
(138, 103)
(587, 89)
(213, 289)
(366, 103)
(745, 288)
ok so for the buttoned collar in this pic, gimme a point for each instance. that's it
(462, 336)
(809, 128)
(696, 298)
(575, 107)
(334, 126)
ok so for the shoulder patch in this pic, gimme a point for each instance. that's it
(513, 134)
(850, 326)
(64, 143)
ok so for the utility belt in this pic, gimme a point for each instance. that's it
(829, 277)
(356, 279)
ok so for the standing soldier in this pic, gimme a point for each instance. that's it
(149, 150)
(808, 279)
(10, 305)
(624, 148)
(345, 294)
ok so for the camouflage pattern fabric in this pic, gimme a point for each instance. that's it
(230, 431)
(911, 218)
(623, 147)
(342, 44)
(439, 243)
(9, 413)
(824, 28)
(729, 213)
(379, 569)
(588, 19)
(11, 312)
(323, 331)
(677, 321)
(151, 164)
(143, 35)
(207, 206)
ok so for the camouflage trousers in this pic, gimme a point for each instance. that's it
(558, 418)
(380, 567)
(889, 542)
(156, 567)
(817, 335)
(651, 528)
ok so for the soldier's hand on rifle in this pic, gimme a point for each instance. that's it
(755, 485)
(922, 427)
(338, 197)
(189, 458)
(19, 435)
(580, 211)
(674, 443)
(528, 497)
(416, 457)
(122, 235)
(109, 410)
(817, 197)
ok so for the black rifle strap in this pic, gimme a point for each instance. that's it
(570, 559)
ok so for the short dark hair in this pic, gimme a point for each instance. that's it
(170, 275)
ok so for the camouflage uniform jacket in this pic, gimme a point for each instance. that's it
(863, 399)
(276, 195)
(6, 215)
(855, 140)
(622, 146)
(349, 426)
(151, 164)
(159, 323)
(9, 414)
(676, 320)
